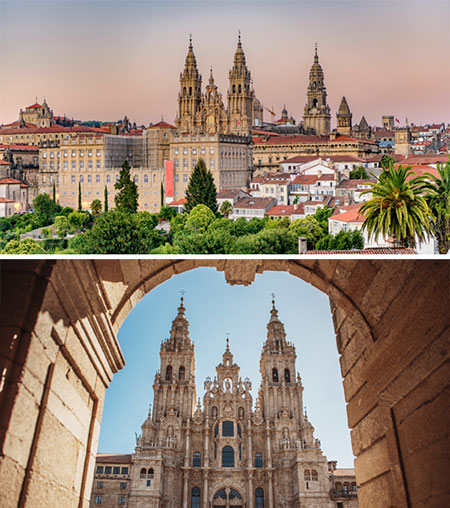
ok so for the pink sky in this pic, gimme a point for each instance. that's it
(102, 59)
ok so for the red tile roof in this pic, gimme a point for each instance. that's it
(378, 156)
(304, 180)
(382, 251)
(286, 140)
(119, 458)
(24, 186)
(163, 125)
(349, 216)
(285, 210)
(181, 201)
(35, 105)
(5, 163)
(20, 147)
(6, 200)
(253, 203)
(7, 180)
(228, 193)
(353, 183)
(425, 159)
(419, 170)
(17, 123)
(342, 138)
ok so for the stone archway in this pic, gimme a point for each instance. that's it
(59, 352)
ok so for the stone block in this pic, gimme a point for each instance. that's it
(372, 462)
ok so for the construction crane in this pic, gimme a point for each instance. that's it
(272, 112)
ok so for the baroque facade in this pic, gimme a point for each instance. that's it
(226, 451)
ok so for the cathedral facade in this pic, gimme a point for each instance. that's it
(205, 112)
(226, 451)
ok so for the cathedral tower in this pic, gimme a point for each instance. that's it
(344, 118)
(174, 385)
(240, 94)
(317, 112)
(190, 95)
(214, 117)
(280, 390)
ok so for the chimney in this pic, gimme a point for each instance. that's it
(302, 244)
(295, 206)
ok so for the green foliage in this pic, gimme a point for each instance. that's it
(167, 248)
(177, 223)
(78, 220)
(226, 209)
(386, 161)
(77, 244)
(310, 228)
(96, 207)
(61, 226)
(147, 220)
(44, 209)
(106, 198)
(398, 207)
(199, 219)
(66, 211)
(201, 188)
(344, 240)
(438, 199)
(268, 241)
(46, 232)
(25, 246)
(322, 215)
(51, 245)
(162, 195)
(117, 232)
(358, 172)
(167, 212)
(127, 198)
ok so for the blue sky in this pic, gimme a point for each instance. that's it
(213, 309)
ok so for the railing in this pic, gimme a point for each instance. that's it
(343, 493)
(168, 442)
(297, 444)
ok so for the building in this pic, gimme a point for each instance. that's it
(251, 208)
(226, 451)
(316, 114)
(13, 197)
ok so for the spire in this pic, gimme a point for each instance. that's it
(316, 56)
(179, 333)
(211, 77)
(227, 355)
(190, 57)
(343, 108)
(239, 57)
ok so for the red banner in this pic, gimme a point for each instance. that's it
(169, 178)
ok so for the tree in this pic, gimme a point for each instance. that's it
(226, 209)
(96, 207)
(438, 199)
(78, 220)
(44, 209)
(25, 246)
(201, 189)
(386, 161)
(162, 194)
(127, 198)
(199, 219)
(167, 212)
(310, 228)
(54, 193)
(358, 173)
(106, 199)
(61, 226)
(398, 207)
(117, 232)
(79, 197)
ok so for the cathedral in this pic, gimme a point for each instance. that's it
(205, 112)
(225, 451)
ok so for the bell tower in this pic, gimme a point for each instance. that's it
(344, 118)
(240, 94)
(280, 390)
(190, 95)
(174, 386)
(317, 112)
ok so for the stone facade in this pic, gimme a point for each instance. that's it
(225, 451)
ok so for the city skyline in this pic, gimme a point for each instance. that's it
(118, 59)
(215, 309)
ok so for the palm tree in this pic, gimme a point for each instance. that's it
(398, 207)
(226, 209)
(438, 198)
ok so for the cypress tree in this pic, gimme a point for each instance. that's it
(162, 194)
(106, 199)
(54, 193)
(201, 189)
(127, 197)
(79, 197)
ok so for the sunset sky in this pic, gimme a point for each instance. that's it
(103, 59)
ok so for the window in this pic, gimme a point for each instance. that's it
(97, 164)
(287, 376)
(99, 469)
(275, 375)
(176, 163)
(89, 153)
(175, 151)
(185, 151)
(185, 163)
(258, 460)
(197, 459)
(108, 469)
(143, 473)
(220, 494)
(81, 164)
(99, 485)
(97, 180)
(89, 178)
(65, 165)
(123, 485)
(227, 456)
(239, 430)
(121, 500)
(149, 483)
(151, 473)
(90, 164)
(181, 373)
(345, 487)
(116, 470)
(98, 152)
(73, 164)
(145, 178)
(194, 162)
(195, 498)
(81, 178)
(169, 373)
(185, 178)
(227, 428)
(259, 498)
(339, 505)
(98, 499)
(136, 178)
(314, 475)
(73, 181)
(211, 150)
(108, 178)
(307, 475)
(176, 178)
(194, 151)
(211, 163)
(234, 494)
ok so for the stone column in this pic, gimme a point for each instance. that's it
(185, 488)
(187, 456)
(250, 502)
(206, 464)
(269, 465)
(205, 488)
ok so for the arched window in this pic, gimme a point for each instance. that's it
(354, 487)
(234, 88)
(196, 459)
(241, 412)
(275, 375)
(315, 103)
(239, 430)
(181, 373)
(338, 486)
(169, 373)
(287, 376)
(227, 428)
(190, 90)
(314, 84)
(184, 91)
(314, 476)
(234, 494)
(195, 498)
(151, 473)
(258, 459)
(307, 475)
(220, 494)
(227, 456)
(345, 487)
(143, 473)
(239, 89)
(259, 498)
